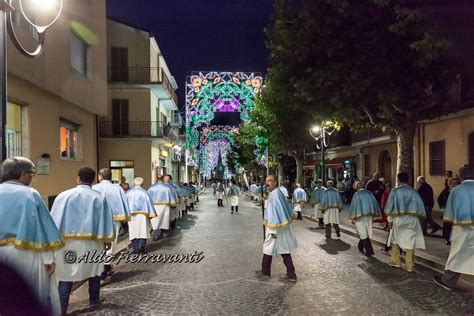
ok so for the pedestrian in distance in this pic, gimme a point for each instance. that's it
(331, 206)
(315, 201)
(426, 193)
(233, 194)
(299, 199)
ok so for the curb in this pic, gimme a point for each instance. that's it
(423, 258)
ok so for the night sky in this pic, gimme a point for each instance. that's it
(202, 35)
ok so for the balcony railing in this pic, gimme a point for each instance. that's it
(142, 75)
(132, 129)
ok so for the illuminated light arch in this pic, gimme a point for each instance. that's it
(210, 93)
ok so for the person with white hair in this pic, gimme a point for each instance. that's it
(299, 199)
(404, 208)
(460, 212)
(141, 210)
(364, 208)
(331, 205)
(315, 200)
(28, 235)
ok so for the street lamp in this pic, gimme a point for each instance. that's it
(178, 149)
(6, 24)
(326, 128)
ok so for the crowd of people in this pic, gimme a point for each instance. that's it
(43, 247)
(405, 211)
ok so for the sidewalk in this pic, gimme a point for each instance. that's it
(434, 256)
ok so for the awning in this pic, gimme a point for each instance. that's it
(336, 162)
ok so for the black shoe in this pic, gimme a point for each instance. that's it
(439, 282)
(434, 230)
(261, 275)
(448, 243)
(286, 278)
(338, 234)
(232, 213)
(95, 303)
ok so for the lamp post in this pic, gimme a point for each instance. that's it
(6, 24)
(178, 149)
(322, 131)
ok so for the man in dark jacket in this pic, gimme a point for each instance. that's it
(426, 194)
(376, 186)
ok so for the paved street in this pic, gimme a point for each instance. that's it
(333, 277)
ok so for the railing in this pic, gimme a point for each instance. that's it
(132, 129)
(176, 119)
(142, 75)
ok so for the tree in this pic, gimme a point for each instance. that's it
(359, 63)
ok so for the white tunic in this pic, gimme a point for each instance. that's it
(331, 216)
(297, 208)
(78, 271)
(461, 255)
(220, 195)
(284, 243)
(234, 200)
(407, 232)
(364, 227)
(317, 211)
(138, 227)
(117, 226)
(162, 220)
(30, 265)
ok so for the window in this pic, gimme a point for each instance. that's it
(69, 140)
(119, 64)
(120, 116)
(80, 59)
(437, 157)
(14, 130)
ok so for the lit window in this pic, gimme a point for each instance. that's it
(14, 129)
(69, 139)
(80, 55)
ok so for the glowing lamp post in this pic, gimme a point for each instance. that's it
(319, 134)
(6, 24)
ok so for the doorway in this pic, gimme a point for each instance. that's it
(385, 166)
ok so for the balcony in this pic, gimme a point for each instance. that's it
(369, 134)
(136, 129)
(153, 78)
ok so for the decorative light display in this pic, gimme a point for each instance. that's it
(262, 150)
(206, 94)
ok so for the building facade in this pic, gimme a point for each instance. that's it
(140, 127)
(53, 100)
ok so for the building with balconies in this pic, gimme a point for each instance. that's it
(139, 129)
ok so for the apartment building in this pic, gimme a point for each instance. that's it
(140, 126)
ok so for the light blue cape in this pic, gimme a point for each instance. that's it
(184, 191)
(299, 195)
(174, 192)
(220, 187)
(25, 220)
(278, 213)
(460, 206)
(317, 195)
(161, 194)
(139, 202)
(330, 199)
(116, 199)
(404, 200)
(83, 213)
(233, 191)
(363, 204)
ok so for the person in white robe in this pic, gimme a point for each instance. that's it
(279, 236)
(404, 208)
(220, 188)
(299, 199)
(331, 205)
(162, 198)
(85, 221)
(315, 200)
(28, 235)
(253, 186)
(233, 194)
(460, 212)
(167, 179)
(186, 196)
(141, 210)
(364, 207)
(118, 204)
